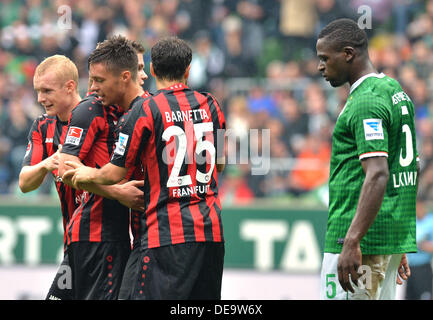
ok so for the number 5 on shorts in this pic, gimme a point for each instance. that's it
(332, 291)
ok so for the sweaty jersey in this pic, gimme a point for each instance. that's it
(173, 135)
(377, 120)
(91, 137)
(45, 135)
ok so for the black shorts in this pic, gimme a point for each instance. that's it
(97, 269)
(61, 288)
(191, 270)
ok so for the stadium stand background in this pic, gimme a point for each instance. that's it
(256, 56)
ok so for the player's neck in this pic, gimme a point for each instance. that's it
(161, 83)
(364, 69)
(133, 92)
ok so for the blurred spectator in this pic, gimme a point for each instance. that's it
(297, 26)
(315, 101)
(238, 62)
(260, 101)
(327, 11)
(239, 118)
(256, 56)
(312, 165)
(420, 283)
(234, 189)
(16, 130)
(207, 62)
(295, 124)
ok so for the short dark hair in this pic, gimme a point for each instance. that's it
(345, 32)
(138, 47)
(118, 54)
(170, 57)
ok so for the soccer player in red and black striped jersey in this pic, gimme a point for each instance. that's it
(174, 135)
(56, 84)
(98, 233)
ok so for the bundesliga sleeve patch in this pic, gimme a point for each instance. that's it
(373, 129)
(74, 136)
(121, 144)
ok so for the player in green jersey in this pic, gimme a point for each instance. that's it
(373, 175)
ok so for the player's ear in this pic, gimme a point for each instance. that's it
(349, 53)
(70, 86)
(152, 72)
(186, 74)
(126, 75)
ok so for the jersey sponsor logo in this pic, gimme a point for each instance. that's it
(49, 140)
(74, 136)
(121, 144)
(29, 147)
(373, 129)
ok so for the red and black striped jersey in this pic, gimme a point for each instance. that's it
(91, 137)
(134, 173)
(173, 135)
(45, 135)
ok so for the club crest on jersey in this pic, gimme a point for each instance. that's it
(373, 129)
(74, 136)
(121, 144)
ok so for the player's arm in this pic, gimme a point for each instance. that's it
(34, 166)
(31, 177)
(370, 199)
(127, 193)
(109, 174)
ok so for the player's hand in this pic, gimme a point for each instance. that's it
(131, 196)
(348, 263)
(80, 174)
(52, 162)
(403, 270)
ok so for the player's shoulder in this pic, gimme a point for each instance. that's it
(146, 94)
(137, 105)
(207, 95)
(141, 101)
(375, 92)
(382, 87)
(44, 118)
(211, 101)
(90, 104)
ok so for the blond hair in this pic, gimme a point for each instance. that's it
(63, 67)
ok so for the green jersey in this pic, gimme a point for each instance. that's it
(377, 120)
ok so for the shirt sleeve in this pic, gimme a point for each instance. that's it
(370, 123)
(85, 124)
(220, 125)
(35, 149)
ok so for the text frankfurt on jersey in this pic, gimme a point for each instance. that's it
(403, 179)
(190, 190)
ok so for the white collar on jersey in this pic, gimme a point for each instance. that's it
(360, 80)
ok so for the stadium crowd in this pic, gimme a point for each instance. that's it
(256, 56)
